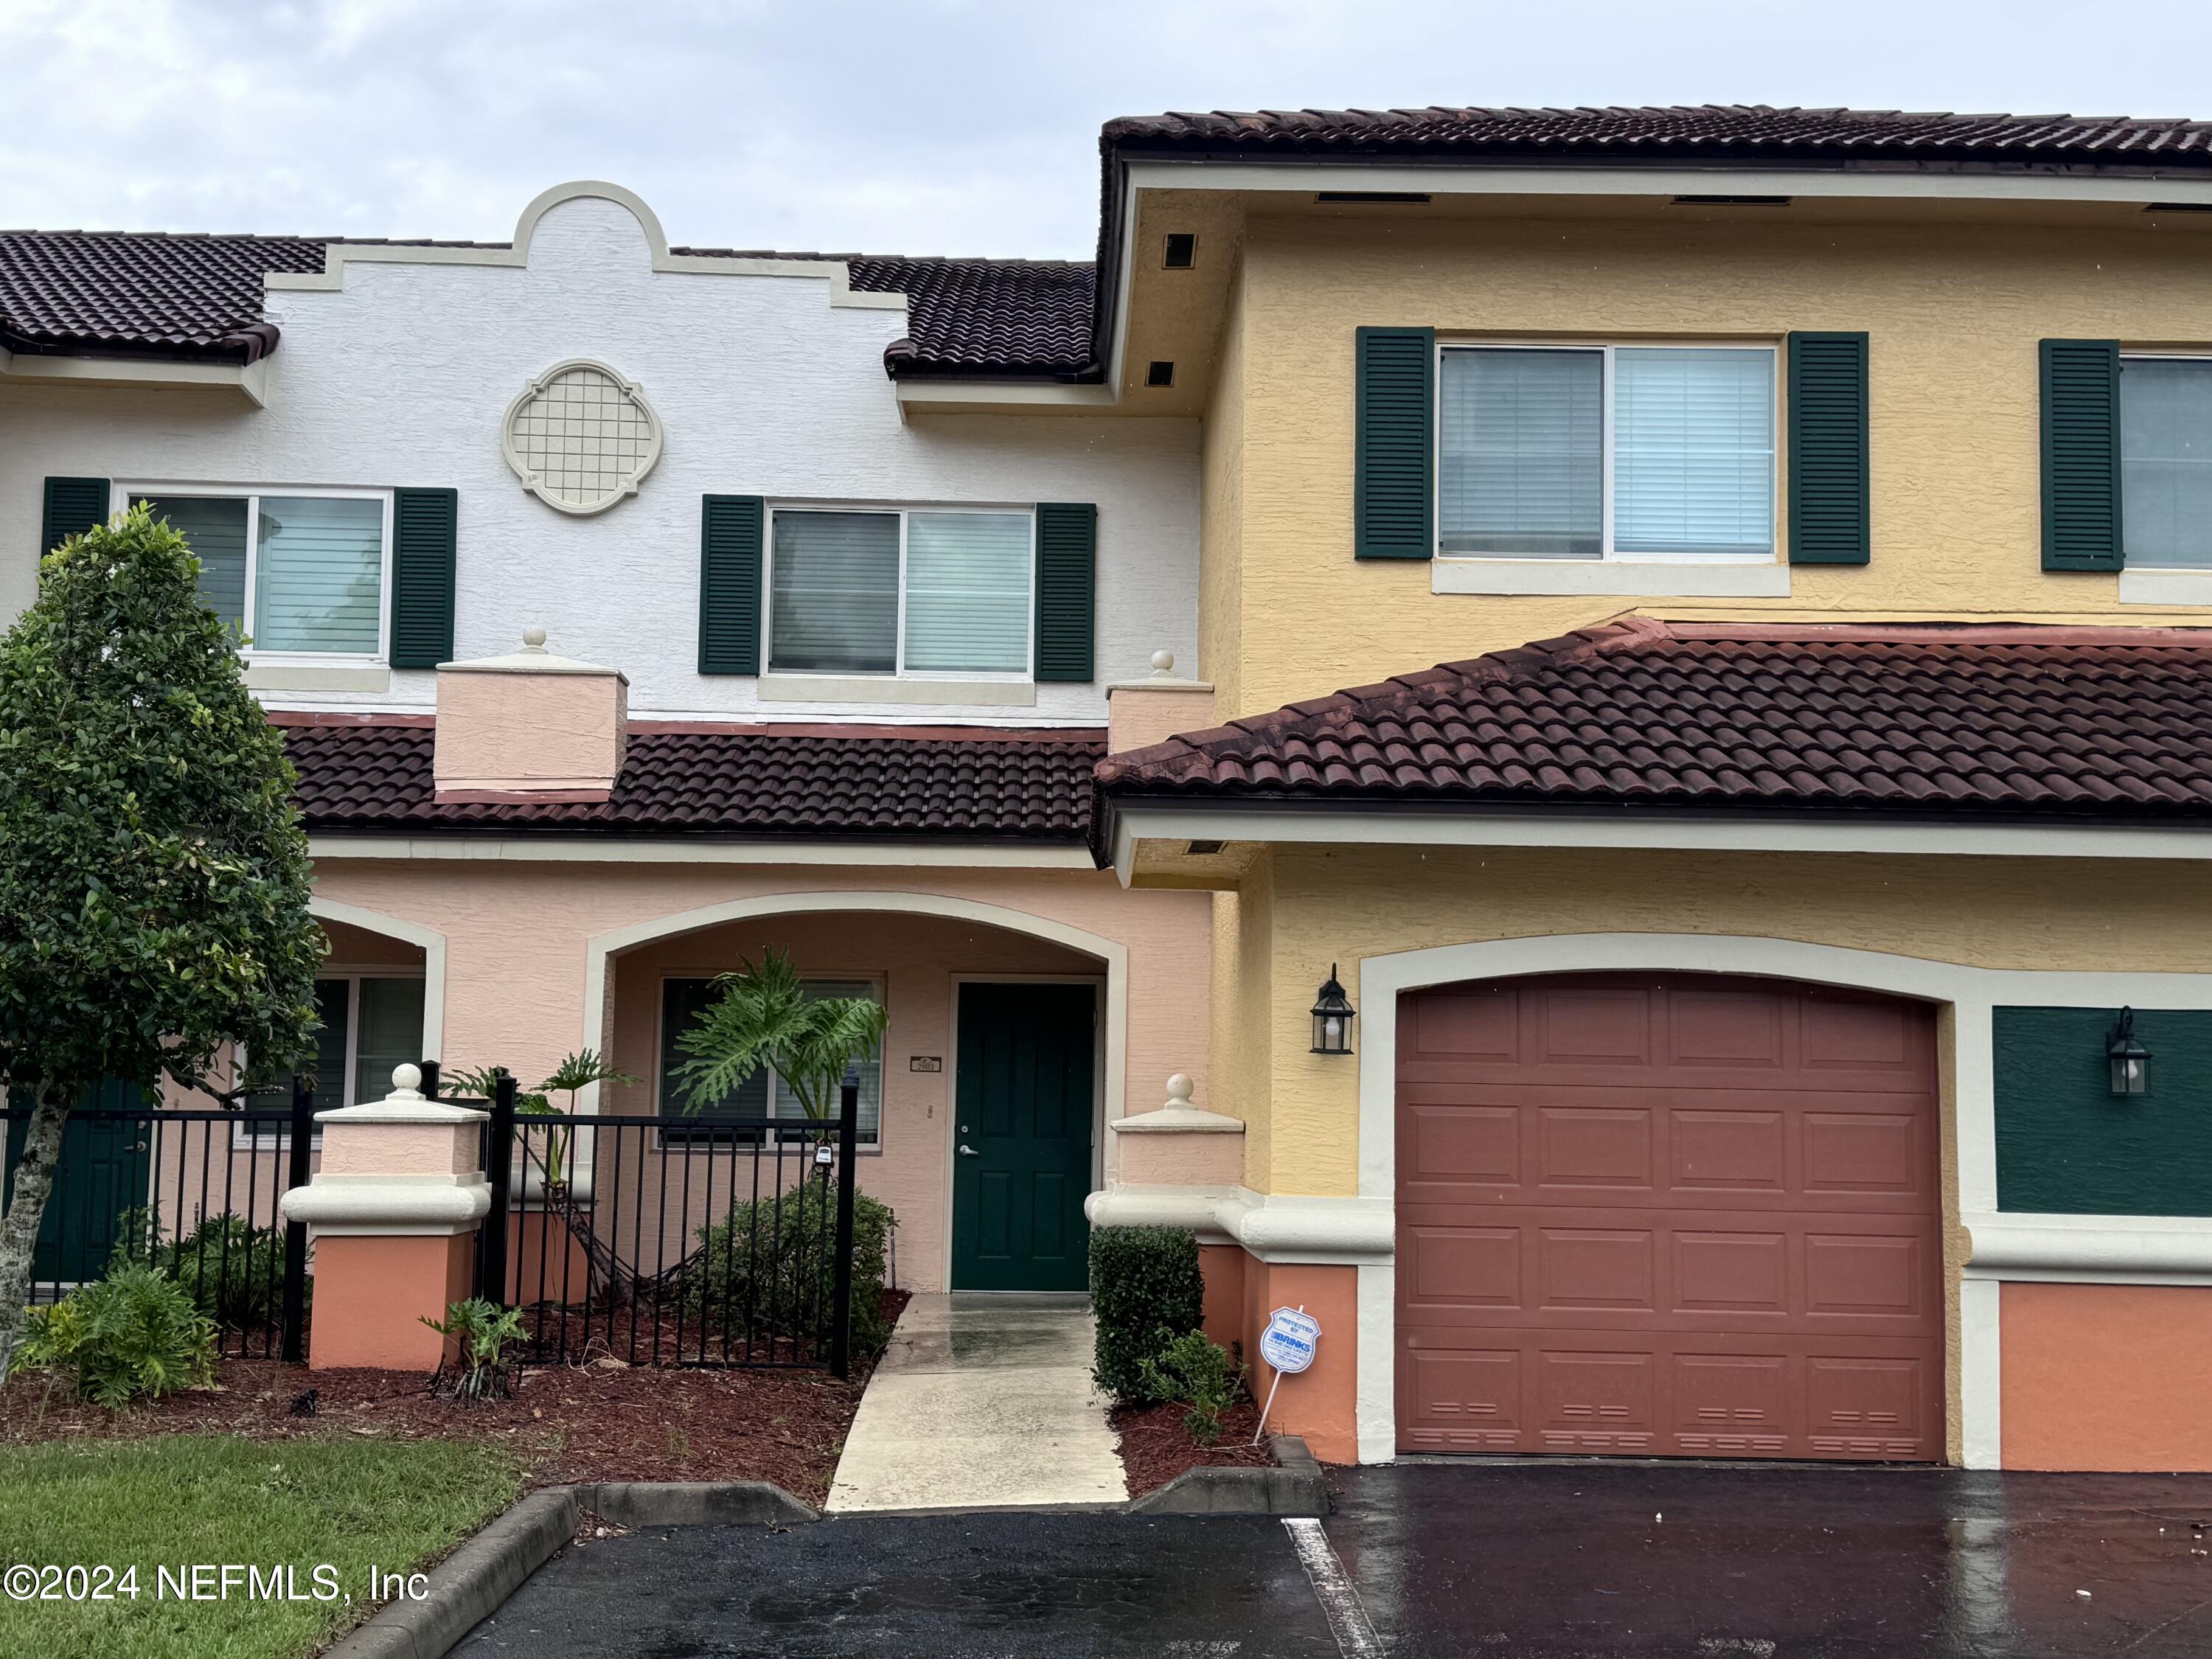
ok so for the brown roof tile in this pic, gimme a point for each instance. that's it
(371, 775)
(1743, 132)
(2018, 719)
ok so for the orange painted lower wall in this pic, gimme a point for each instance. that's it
(1320, 1403)
(1223, 1267)
(373, 1293)
(2105, 1376)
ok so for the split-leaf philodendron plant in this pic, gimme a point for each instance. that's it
(764, 1016)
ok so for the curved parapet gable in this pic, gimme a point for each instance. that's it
(515, 254)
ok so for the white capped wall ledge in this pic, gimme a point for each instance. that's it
(2100, 1250)
(1273, 1227)
(1700, 579)
(396, 1166)
(1178, 1115)
(2165, 587)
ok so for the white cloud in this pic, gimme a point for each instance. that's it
(930, 127)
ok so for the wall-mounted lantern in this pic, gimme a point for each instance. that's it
(2128, 1059)
(1331, 1018)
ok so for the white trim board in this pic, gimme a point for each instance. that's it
(836, 273)
(1383, 826)
(251, 379)
(433, 944)
(1308, 178)
(564, 848)
(1972, 994)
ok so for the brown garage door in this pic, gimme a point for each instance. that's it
(1668, 1217)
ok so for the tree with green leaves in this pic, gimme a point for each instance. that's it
(154, 877)
(764, 1016)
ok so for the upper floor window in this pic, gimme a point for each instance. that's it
(910, 592)
(2166, 462)
(1606, 451)
(301, 574)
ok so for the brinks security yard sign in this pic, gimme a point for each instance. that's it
(1288, 1345)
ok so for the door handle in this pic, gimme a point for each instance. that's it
(966, 1151)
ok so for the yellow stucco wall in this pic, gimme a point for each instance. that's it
(1954, 312)
(1340, 905)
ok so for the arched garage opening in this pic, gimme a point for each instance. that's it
(1668, 1214)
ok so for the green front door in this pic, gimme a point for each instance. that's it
(104, 1168)
(1021, 1140)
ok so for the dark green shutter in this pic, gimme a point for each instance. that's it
(73, 506)
(1067, 576)
(730, 529)
(2082, 455)
(425, 533)
(1393, 475)
(1829, 497)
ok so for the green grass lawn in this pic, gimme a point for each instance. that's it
(182, 1499)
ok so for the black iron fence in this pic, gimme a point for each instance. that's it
(194, 1193)
(688, 1241)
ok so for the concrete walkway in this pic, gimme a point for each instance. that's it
(983, 1401)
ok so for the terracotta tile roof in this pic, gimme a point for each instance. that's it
(1959, 720)
(369, 775)
(1742, 132)
(136, 293)
(130, 293)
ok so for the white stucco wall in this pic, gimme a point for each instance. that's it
(401, 377)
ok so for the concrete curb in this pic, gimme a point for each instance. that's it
(1295, 1487)
(471, 1584)
(475, 1580)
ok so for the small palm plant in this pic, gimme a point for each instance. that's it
(764, 1016)
(575, 1072)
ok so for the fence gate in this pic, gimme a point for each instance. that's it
(672, 1240)
(193, 1194)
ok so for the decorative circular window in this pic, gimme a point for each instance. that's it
(582, 437)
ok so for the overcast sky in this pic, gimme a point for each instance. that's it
(931, 126)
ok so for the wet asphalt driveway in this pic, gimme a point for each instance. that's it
(1488, 1560)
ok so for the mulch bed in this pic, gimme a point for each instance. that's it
(601, 1420)
(1156, 1447)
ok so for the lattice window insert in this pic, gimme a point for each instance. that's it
(582, 437)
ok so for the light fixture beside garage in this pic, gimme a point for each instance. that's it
(2128, 1059)
(1331, 1018)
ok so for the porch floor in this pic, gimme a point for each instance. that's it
(983, 1401)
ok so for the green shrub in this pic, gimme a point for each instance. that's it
(484, 1329)
(233, 1270)
(769, 1270)
(1145, 1290)
(134, 1333)
(1195, 1372)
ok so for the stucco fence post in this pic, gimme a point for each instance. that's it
(393, 1212)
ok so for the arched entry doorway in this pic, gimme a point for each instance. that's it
(1651, 1215)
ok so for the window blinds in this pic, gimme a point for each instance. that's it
(762, 1094)
(968, 592)
(216, 528)
(1693, 451)
(2165, 463)
(834, 593)
(318, 582)
(1523, 460)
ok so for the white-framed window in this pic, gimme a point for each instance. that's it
(2166, 461)
(1599, 452)
(368, 1022)
(302, 573)
(763, 1094)
(911, 592)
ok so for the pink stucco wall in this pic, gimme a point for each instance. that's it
(509, 729)
(517, 937)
